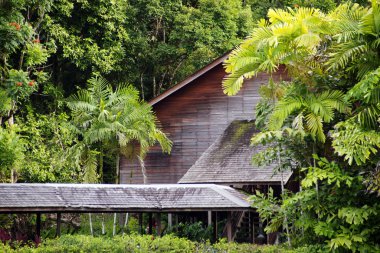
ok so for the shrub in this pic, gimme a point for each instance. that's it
(146, 243)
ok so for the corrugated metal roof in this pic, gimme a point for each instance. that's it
(109, 198)
(228, 160)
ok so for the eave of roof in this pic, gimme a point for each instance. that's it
(27, 198)
(189, 79)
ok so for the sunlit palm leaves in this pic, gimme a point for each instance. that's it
(288, 38)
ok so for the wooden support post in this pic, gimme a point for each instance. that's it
(141, 223)
(252, 224)
(150, 228)
(229, 226)
(216, 227)
(158, 224)
(176, 222)
(170, 221)
(38, 225)
(58, 232)
(209, 218)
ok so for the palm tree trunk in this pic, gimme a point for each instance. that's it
(117, 169)
(101, 164)
(117, 182)
(282, 191)
(143, 170)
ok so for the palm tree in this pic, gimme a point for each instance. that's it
(290, 37)
(356, 33)
(112, 119)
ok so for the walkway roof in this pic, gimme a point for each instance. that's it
(119, 198)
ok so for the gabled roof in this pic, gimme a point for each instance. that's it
(228, 160)
(189, 79)
(118, 198)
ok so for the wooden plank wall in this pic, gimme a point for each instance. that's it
(194, 117)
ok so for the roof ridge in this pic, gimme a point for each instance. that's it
(222, 190)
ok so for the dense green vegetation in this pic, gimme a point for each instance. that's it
(74, 77)
(147, 243)
(51, 49)
(324, 124)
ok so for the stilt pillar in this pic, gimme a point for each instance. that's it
(209, 218)
(170, 220)
(229, 226)
(38, 225)
(141, 223)
(58, 232)
(150, 228)
(158, 224)
(216, 227)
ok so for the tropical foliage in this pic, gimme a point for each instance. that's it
(111, 119)
(329, 108)
(147, 243)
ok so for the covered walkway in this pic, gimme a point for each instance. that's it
(101, 198)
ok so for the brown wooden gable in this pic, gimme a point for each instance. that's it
(193, 114)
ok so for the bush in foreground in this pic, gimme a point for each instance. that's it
(142, 244)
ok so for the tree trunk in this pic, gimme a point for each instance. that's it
(142, 86)
(114, 224)
(91, 229)
(143, 170)
(126, 222)
(117, 181)
(282, 191)
(101, 164)
(103, 226)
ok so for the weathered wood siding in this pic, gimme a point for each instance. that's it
(194, 117)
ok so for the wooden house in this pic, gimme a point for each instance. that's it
(194, 114)
(211, 135)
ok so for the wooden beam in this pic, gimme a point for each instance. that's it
(252, 224)
(170, 220)
(58, 232)
(150, 228)
(209, 218)
(216, 227)
(158, 221)
(176, 222)
(140, 223)
(38, 225)
(229, 226)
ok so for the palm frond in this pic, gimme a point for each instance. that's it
(345, 53)
(315, 126)
(283, 109)
(234, 81)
